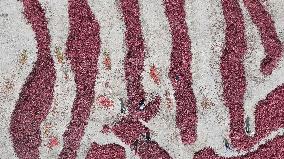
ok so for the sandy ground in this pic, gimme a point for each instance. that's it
(206, 30)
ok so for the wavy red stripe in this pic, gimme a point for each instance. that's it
(36, 95)
(180, 75)
(83, 48)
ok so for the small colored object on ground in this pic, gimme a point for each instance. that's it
(53, 142)
(206, 103)
(168, 99)
(106, 129)
(107, 61)
(105, 101)
(155, 74)
(123, 108)
(59, 54)
(23, 57)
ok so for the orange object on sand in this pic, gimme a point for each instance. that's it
(107, 61)
(155, 74)
(105, 102)
(53, 141)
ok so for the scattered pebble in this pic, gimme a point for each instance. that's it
(59, 54)
(142, 104)
(227, 144)
(23, 57)
(107, 61)
(169, 99)
(247, 125)
(206, 103)
(123, 108)
(106, 129)
(148, 138)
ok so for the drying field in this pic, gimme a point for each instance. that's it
(149, 79)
